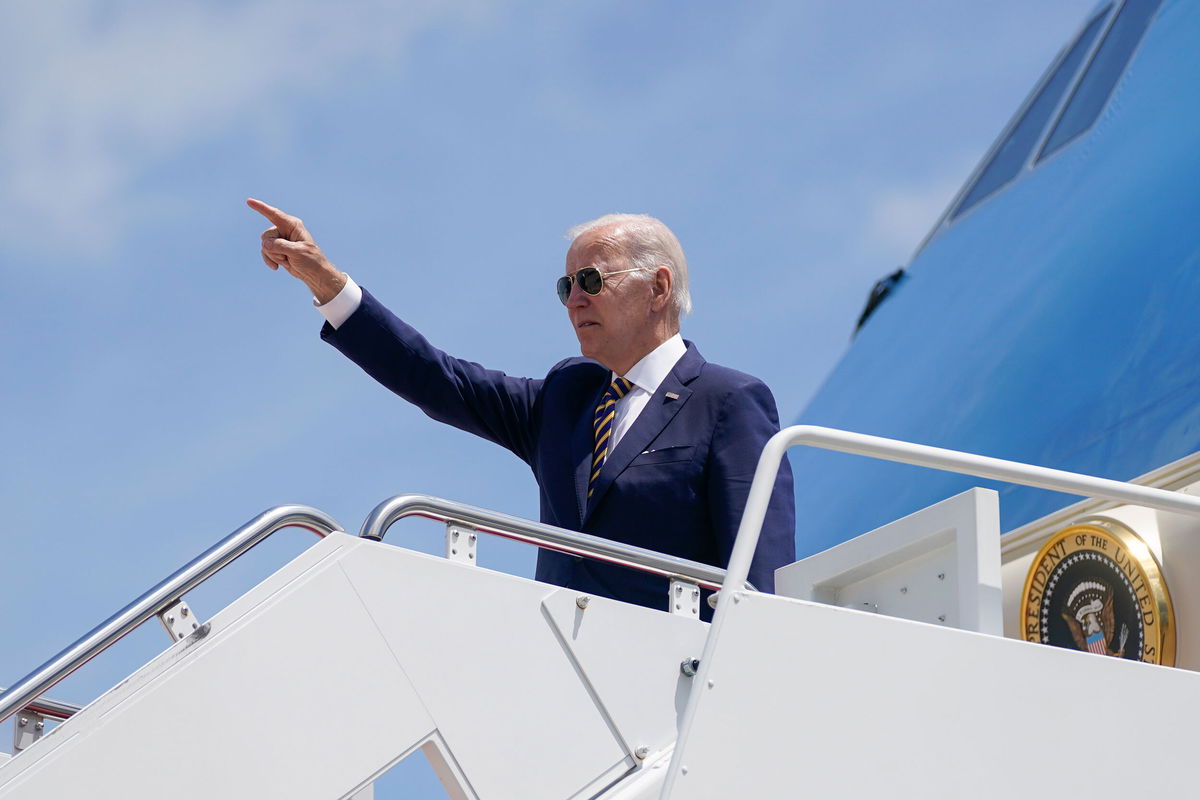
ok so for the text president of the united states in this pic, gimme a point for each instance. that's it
(640, 441)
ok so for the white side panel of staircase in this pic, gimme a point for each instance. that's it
(808, 700)
(643, 696)
(273, 703)
(508, 701)
(318, 679)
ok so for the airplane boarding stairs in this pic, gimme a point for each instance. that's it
(358, 653)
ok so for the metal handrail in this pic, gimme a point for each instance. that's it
(387, 513)
(934, 458)
(47, 707)
(905, 453)
(22, 693)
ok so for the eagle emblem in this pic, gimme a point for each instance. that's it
(1095, 586)
(1089, 615)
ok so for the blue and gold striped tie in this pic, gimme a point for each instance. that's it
(605, 412)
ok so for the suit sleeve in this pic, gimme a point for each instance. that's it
(484, 402)
(747, 421)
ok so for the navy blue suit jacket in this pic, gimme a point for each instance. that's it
(676, 482)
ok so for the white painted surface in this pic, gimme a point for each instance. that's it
(1013, 572)
(489, 668)
(1180, 540)
(292, 694)
(357, 653)
(645, 784)
(643, 696)
(849, 704)
(940, 565)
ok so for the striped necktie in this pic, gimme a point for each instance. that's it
(605, 412)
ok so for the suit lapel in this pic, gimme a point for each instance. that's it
(659, 411)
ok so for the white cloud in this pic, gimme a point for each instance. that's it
(900, 216)
(105, 90)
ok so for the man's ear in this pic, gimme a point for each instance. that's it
(660, 291)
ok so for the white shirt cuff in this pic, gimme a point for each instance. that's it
(339, 309)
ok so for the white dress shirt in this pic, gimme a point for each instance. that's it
(339, 309)
(646, 375)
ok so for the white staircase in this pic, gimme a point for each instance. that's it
(358, 653)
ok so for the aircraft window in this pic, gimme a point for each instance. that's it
(1014, 152)
(1097, 83)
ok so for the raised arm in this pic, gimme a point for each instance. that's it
(484, 402)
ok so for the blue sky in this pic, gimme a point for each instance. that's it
(161, 386)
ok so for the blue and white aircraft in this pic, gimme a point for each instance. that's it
(1050, 316)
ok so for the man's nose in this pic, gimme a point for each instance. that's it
(578, 298)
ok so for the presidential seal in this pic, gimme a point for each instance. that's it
(1096, 587)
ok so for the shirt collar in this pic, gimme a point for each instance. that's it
(649, 373)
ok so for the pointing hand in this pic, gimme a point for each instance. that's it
(288, 244)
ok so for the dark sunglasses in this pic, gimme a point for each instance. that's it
(590, 279)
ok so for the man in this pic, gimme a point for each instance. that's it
(641, 441)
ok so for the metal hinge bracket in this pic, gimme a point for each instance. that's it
(179, 621)
(685, 598)
(460, 543)
(28, 727)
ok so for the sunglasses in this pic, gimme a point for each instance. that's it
(590, 279)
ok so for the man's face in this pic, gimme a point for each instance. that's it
(613, 326)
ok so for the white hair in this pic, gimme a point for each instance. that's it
(648, 244)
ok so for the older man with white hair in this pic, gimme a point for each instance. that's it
(640, 441)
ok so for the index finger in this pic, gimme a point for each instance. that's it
(285, 222)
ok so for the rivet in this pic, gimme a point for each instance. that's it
(695, 593)
(40, 725)
(684, 769)
(677, 606)
(582, 601)
(170, 618)
(453, 551)
(183, 611)
(711, 683)
(471, 538)
(454, 536)
(470, 555)
(903, 590)
(23, 721)
(941, 576)
(642, 751)
(678, 590)
(941, 617)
